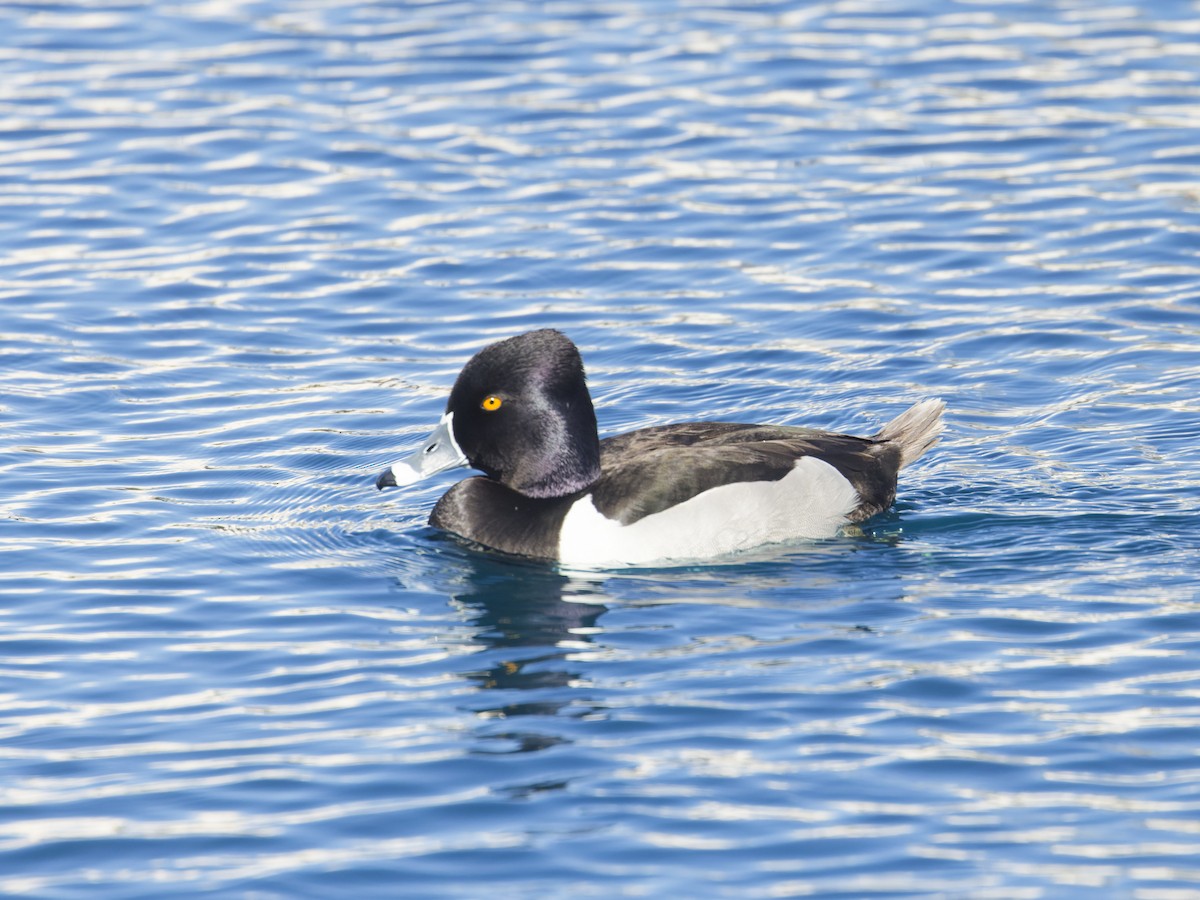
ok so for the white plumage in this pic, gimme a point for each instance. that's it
(810, 502)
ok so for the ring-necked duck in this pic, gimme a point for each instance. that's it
(520, 412)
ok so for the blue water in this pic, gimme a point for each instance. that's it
(246, 247)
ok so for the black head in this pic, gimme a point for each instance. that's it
(522, 415)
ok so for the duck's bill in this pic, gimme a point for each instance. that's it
(439, 453)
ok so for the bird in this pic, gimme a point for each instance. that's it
(551, 489)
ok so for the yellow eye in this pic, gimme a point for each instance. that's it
(491, 403)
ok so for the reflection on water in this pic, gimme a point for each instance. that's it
(530, 621)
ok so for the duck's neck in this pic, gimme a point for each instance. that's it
(562, 482)
(568, 460)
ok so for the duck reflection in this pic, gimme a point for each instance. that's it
(531, 621)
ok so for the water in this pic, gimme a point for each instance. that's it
(245, 248)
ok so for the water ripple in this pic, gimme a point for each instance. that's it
(246, 250)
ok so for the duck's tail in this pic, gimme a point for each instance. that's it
(915, 430)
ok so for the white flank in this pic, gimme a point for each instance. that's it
(810, 502)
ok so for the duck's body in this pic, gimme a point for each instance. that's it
(520, 412)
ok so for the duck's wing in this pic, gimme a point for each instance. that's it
(653, 469)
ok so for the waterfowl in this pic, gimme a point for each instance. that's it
(520, 412)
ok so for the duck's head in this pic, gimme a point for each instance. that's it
(519, 412)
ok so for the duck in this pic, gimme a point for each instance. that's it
(551, 489)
